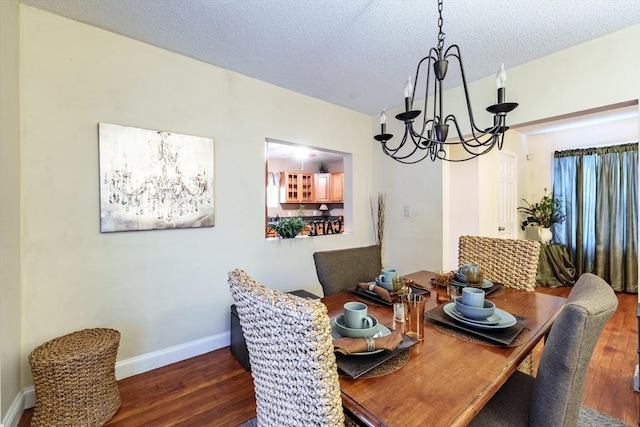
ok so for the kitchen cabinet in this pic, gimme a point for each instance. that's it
(337, 188)
(322, 187)
(296, 187)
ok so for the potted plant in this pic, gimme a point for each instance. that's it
(544, 214)
(323, 168)
(290, 227)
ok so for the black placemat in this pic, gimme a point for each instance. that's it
(502, 336)
(354, 366)
(375, 297)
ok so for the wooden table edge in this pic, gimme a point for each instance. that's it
(363, 415)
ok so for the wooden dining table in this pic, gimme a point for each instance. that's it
(447, 379)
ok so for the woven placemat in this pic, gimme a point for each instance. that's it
(388, 367)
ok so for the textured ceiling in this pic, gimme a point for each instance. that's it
(354, 53)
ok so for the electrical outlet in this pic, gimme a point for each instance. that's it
(407, 211)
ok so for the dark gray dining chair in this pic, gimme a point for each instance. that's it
(341, 270)
(553, 398)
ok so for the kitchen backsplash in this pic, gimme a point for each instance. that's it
(311, 210)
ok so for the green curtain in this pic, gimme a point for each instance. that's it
(598, 188)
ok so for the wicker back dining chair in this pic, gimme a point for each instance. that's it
(553, 397)
(512, 262)
(290, 349)
(341, 270)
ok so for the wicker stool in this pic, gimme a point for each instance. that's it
(74, 379)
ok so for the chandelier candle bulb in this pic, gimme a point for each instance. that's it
(408, 89)
(383, 121)
(501, 81)
(408, 93)
(501, 77)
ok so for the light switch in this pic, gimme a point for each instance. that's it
(407, 211)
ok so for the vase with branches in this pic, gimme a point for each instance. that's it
(378, 212)
(544, 213)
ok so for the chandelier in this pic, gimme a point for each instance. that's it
(430, 141)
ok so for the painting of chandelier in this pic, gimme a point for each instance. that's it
(154, 179)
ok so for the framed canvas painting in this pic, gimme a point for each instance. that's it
(151, 180)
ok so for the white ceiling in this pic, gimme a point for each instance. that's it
(303, 153)
(354, 53)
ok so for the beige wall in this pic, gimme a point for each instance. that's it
(410, 243)
(158, 288)
(10, 356)
(165, 288)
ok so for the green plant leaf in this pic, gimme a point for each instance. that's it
(288, 228)
(545, 213)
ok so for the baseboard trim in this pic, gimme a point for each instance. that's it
(157, 359)
(12, 417)
(147, 362)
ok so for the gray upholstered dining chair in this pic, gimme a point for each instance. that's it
(553, 398)
(512, 262)
(341, 270)
(294, 369)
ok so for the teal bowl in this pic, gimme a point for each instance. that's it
(475, 313)
(356, 333)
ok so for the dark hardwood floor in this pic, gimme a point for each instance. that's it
(214, 389)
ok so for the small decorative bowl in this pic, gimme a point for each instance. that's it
(476, 313)
(356, 333)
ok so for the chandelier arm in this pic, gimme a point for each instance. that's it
(455, 52)
(403, 158)
(482, 147)
(428, 58)
(392, 152)
(433, 58)
(501, 140)
(490, 134)
(427, 121)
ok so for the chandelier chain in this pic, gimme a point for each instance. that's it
(440, 22)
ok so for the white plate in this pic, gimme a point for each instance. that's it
(494, 319)
(383, 331)
(507, 321)
(485, 284)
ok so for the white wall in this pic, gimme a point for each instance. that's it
(10, 357)
(572, 80)
(541, 148)
(158, 288)
(473, 200)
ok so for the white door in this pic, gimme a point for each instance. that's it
(507, 193)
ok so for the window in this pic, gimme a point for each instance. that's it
(308, 182)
